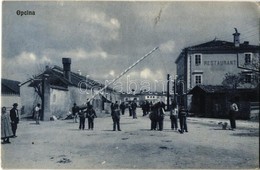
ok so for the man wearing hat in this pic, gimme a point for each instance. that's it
(14, 118)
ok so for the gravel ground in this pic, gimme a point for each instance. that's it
(60, 144)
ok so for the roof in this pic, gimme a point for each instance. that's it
(10, 87)
(208, 89)
(216, 89)
(153, 93)
(222, 45)
(219, 46)
(58, 81)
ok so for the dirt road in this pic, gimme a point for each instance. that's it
(60, 144)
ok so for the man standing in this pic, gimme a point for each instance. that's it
(174, 115)
(14, 118)
(91, 115)
(130, 108)
(153, 117)
(134, 106)
(232, 114)
(75, 112)
(161, 110)
(82, 118)
(122, 108)
(37, 113)
(182, 116)
(115, 113)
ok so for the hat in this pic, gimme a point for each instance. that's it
(15, 104)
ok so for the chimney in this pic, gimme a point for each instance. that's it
(66, 68)
(236, 38)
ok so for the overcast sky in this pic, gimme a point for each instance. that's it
(104, 38)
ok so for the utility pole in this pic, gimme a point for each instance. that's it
(168, 92)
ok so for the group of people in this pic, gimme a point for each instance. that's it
(156, 113)
(88, 113)
(131, 106)
(9, 123)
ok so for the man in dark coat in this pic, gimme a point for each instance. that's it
(182, 116)
(161, 110)
(134, 106)
(153, 116)
(14, 115)
(91, 115)
(130, 109)
(115, 117)
(82, 118)
(75, 112)
(122, 108)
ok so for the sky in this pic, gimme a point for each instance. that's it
(105, 38)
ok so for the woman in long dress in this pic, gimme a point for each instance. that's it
(6, 130)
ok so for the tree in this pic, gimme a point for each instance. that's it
(232, 80)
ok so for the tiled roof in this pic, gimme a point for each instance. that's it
(209, 89)
(10, 87)
(218, 44)
(58, 81)
(216, 89)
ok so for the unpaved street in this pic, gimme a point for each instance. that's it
(59, 144)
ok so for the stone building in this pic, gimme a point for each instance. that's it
(207, 64)
(58, 88)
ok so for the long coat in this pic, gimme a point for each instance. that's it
(6, 130)
(13, 116)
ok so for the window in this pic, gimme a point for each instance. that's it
(197, 59)
(198, 79)
(248, 58)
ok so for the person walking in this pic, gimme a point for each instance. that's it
(174, 115)
(82, 118)
(161, 111)
(14, 115)
(116, 117)
(37, 113)
(134, 106)
(232, 114)
(75, 112)
(6, 129)
(91, 115)
(182, 116)
(122, 108)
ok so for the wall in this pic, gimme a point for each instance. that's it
(8, 101)
(213, 67)
(29, 99)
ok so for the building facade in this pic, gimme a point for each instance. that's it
(10, 93)
(57, 89)
(208, 64)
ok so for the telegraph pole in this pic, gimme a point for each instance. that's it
(168, 92)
